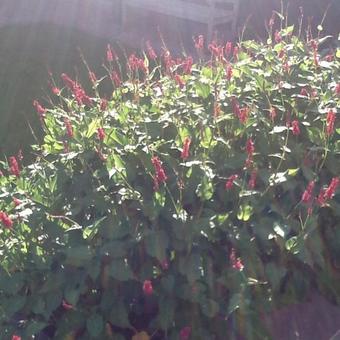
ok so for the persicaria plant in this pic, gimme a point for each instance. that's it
(196, 199)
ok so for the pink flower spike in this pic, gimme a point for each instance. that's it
(185, 333)
(230, 182)
(236, 262)
(186, 147)
(307, 194)
(66, 305)
(147, 287)
(330, 122)
(337, 89)
(295, 127)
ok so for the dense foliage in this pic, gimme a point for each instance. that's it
(196, 199)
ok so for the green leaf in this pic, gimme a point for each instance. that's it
(210, 308)
(92, 128)
(90, 231)
(95, 325)
(205, 189)
(293, 172)
(234, 303)
(207, 138)
(120, 270)
(119, 315)
(202, 90)
(14, 304)
(166, 312)
(71, 295)
(275, 274)
(292, 245)
(156, 244)
(11, 284)
(245, 212)
(34, 327)
(191, 267)
(78, 256)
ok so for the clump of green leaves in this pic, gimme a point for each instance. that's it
(198, 196)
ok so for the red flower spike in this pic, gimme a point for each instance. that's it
(229, 72)
(109, 54)
(187, 65)
(271, 22)
(243, 115)
(186, 147)
(236, 263)
(150, 51)
(55, 90)
(304, 92)
(6, 220)
(16, 337)
(92, 77)
(316, 59)
(235, 106)
(314, 93)
(168, 61)
(329, 192)
(116, 79)
(277, 37)
(165, 264)
(66, 147)
(228, 49)
(307, 194)
(314, 45)
(337, 89)
(250, 147)
(321, 198)
(185, 333)
(160, 176)
(329, 58)
(133, 63)
(180, 82)
(20, 155)
(230, 182)
(217, 109)
(147, 287)
(103, 104)
(77, 90)
(216, 50)
(68, 81)
(199, 42)
(100, 154)
(272, 113)
(16, 201)
(69, 129)
(101, 134)
(330, 122)
(40, 109)
(252, 180)
(281, 53)
(296, 127)
(310, 210)
(66, 305)
(14, 166)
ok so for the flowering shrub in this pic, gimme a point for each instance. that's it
(195, 200)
